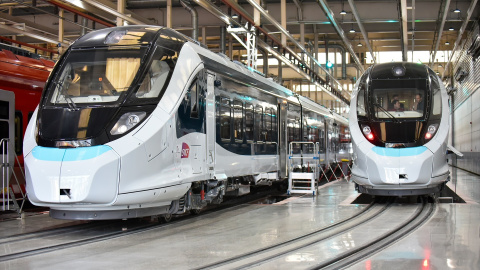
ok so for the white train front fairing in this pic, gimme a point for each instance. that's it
(399, 151)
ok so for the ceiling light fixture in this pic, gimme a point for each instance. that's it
(451, 28)
(447, 43)
(352, 30)
(359, 44)
(343, 12)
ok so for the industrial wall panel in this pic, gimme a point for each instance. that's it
(466, 105)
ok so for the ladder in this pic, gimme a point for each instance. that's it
(8, 196)
(303, 167)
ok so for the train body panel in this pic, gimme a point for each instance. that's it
(207, 128)
(399, 151)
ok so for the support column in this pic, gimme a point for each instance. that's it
(204, 35)
(230, 47)
(223, 34)
(169, 13)
(283, 18)
(60, 31)
(280, 79)
(120, 9)
(84, 24)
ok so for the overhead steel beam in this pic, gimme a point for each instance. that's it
(362, 29)
(33, 35)
(112, 10)
(404, 28)
(216, 11)
(440, 31)
(83, 14)
(330, 16)
(28, 45)
(413, 27)
(272, 20)
(30, 24)
(460, 34)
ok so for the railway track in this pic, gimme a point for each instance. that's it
(261, 257)
(39, 242)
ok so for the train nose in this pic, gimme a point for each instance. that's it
(400, 166)
(91, 179)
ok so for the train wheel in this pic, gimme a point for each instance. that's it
(195, 211)
(166, 218)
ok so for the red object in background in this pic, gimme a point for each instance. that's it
(26, 78)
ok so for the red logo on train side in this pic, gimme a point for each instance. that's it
(185, 150)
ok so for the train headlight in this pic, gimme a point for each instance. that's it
(431, 131)
(367, 132)
(127, 122)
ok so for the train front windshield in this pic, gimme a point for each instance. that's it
(404, 98)
(106, 75)
(399, 111)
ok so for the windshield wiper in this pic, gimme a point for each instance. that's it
(389, 114)
(66, 96)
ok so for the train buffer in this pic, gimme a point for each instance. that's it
(303, 167)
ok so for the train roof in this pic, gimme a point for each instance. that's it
(223, 65)
(398, 70)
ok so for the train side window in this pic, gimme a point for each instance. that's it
(193, 100)
(268, 124)
(238, 119)
(249, 125)
(258, 128)
(274, 125)
(223, 118)
(361, 103)
(437, 97)
(18, 132)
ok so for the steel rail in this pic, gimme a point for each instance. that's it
(361, 252)
(292, 241)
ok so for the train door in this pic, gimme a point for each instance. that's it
(282, 139)
(210, 125)
(7, 135)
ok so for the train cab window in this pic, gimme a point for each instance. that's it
(258, 125)
(193, 93)
(249, 122)
(437, 96)
(268, 124)
(223, 117)
(238, 120)
(155, 78)
(18, 132)
(4, 116)
(361, 103)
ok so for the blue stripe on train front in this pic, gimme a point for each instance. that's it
(399, 152)
(69, 154)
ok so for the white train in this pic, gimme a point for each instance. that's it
(141, 120)
(399, 122)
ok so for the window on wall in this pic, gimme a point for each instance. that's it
(268, 124)
(223, 118)
(238, 119)
(249, 122)
(258, 124)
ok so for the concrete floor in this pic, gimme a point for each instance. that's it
(449, 240)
